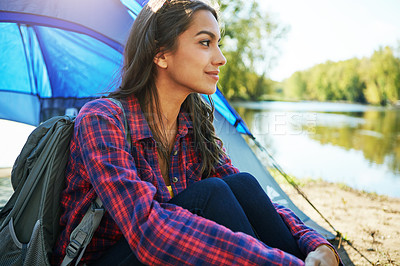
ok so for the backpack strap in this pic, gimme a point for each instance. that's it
(84, 231)
(127, 135)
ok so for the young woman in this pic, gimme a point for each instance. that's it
(171, 195)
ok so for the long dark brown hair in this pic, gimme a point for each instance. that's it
(158, 26)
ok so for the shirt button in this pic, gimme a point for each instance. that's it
(174, 179)
(175, 153)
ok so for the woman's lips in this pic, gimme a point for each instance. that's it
(213, 74)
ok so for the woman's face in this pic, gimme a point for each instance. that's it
(194, 65)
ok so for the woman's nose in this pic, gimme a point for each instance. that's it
(219, 58)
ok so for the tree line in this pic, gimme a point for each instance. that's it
(373, 80)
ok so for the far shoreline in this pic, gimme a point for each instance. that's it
(5, 172)
(395, 105)
(363, 106)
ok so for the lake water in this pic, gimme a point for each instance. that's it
(353, 144)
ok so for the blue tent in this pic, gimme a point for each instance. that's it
(48, 62)
(57, 55)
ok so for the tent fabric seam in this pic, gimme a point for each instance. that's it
(28, 61)
(41, 20)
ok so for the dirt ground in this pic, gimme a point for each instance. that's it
(370, 222)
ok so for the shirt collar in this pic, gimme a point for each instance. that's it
(140, 128)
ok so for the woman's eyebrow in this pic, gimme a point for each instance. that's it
(211, 34)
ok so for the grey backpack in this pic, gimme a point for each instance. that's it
(29, 222)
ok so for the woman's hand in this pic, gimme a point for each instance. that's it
(322, 255)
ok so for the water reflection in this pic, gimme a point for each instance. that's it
(359, 146)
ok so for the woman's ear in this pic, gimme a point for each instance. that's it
(161, 60)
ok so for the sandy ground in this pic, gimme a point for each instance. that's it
(370, 222)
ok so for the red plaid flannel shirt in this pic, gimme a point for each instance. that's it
(135, 196)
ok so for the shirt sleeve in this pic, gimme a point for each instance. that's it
(307, 238)
(158, 234)
(225, 167)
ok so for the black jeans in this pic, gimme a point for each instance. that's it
(237, 202)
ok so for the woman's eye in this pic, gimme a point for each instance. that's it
(205, 43)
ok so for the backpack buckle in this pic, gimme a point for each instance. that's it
(96, 206)
(73, 248)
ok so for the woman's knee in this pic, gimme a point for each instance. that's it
(242, 179)
(216, 185)
(218, 195)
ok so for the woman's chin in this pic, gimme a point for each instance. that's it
(207, 89)
(211, 90)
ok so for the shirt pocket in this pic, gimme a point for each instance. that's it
(193, 172)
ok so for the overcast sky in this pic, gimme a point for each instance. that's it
(322, 30)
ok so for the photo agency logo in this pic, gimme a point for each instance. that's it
(285, 123)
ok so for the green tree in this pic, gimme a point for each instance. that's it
(382, 77)
(250, 45)
(296, 86)
(350, 83)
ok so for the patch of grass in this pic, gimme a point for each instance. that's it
(301, 182)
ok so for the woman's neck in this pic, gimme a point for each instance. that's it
(169, 113)
(170, 102)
